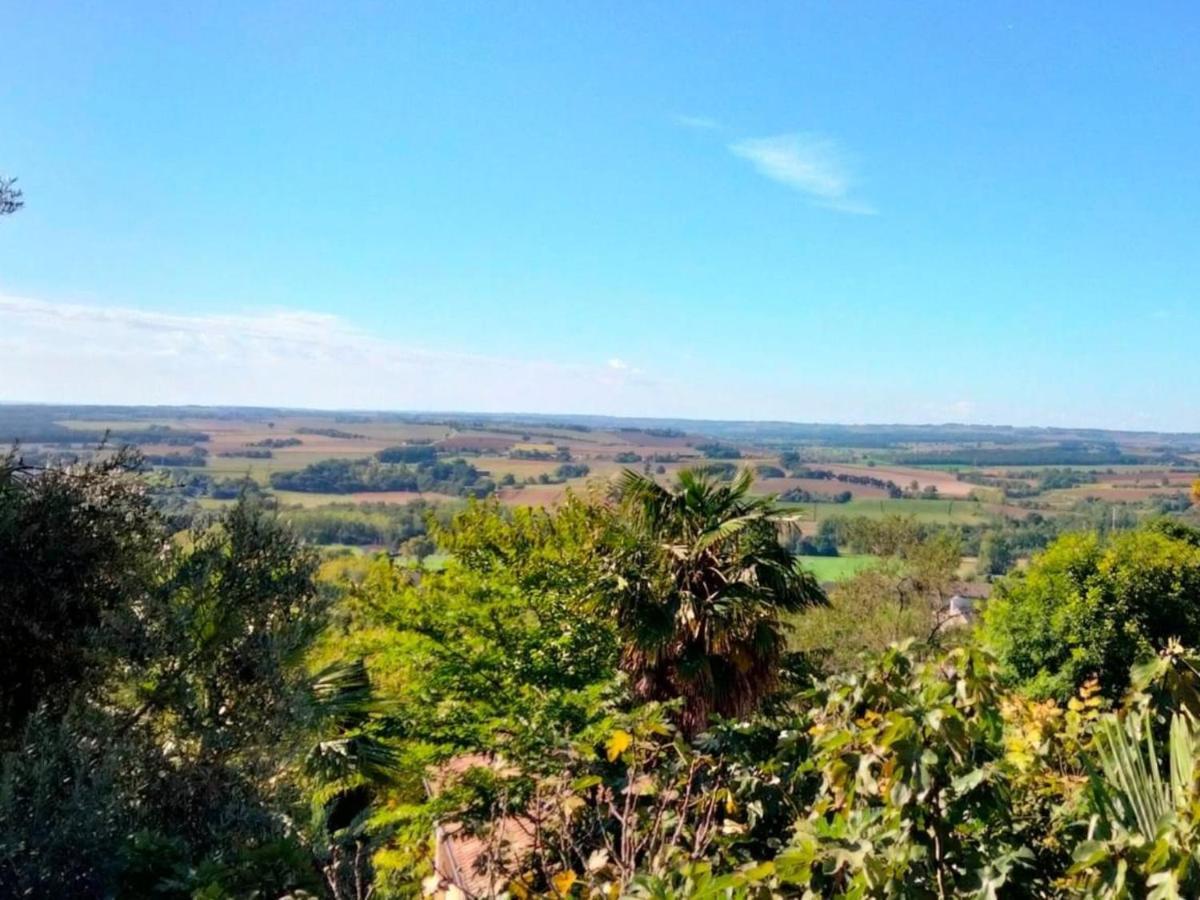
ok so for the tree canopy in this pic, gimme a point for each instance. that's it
(1090, 608)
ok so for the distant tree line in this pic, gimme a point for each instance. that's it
(893, 490)
(420, 453)
(39, 426)
(332, 433)
(656, 432)
(276, 443)
(800, 495)
(721, 471)
(195, 456)
(572, 470)
(1067, 453)
(560, 453)
(348, 476)
(719, 451)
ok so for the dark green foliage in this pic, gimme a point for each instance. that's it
(559, 453)
(995, 554)
(846, 478)
(247, 453)
(1063, 453)
(332, 433)
(78, 548)
(572, 470)
(1089, 607)
(720, 471)
(719, 451)
(195, 457)
(153, 699)
(158, 434)
(407, 454)
(349, 476)
(1056, 479)
(823, 543)
(703, 589)
(800, 495)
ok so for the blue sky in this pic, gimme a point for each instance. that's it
(850, 212)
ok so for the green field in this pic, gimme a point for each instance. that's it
(838, 568)
(942, 512)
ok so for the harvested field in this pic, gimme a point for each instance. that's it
(945, 482)
(468, 443)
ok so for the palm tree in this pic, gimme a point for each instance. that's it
(705, 593)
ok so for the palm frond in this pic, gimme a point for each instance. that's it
(723, 531)
(1134, 785)
(342, 691)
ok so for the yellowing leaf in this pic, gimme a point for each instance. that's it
(618, 744)
(563, 882)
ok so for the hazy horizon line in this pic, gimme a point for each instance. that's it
(570, 417)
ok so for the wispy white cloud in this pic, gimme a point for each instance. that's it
(964, 409)
(60, 352)
(809, 163)
(700, 123)
(617, 364)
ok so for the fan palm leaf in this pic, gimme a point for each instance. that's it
(710, 626)
(1133, 784)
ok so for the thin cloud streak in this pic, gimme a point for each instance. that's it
(699, 123)
(60, 352)
(808, 163)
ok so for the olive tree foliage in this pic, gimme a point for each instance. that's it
(11, 198)
(156, 707)
(80, 550)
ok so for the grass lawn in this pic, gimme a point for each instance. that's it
(838, 568)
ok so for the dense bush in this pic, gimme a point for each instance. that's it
(157, 709)
(1090, 608)
(602, 698)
